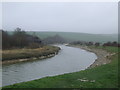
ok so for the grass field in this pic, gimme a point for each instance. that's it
(104, 76)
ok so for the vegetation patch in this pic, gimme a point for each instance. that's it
(29, 53)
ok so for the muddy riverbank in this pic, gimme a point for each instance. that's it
(28, 59)
(23, 55)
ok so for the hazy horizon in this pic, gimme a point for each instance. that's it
(56, 31)
(87, 17)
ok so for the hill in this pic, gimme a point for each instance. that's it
(74, 36)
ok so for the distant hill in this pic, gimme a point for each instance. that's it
(73, 36)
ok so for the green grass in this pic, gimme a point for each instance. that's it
(108, 48)
(105, 76)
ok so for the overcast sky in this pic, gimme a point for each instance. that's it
(85, 17)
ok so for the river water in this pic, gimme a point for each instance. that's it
(69, 59)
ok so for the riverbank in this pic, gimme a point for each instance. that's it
(104, 76)
(22, 55)
(103, 56)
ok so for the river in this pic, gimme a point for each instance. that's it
(69, 59)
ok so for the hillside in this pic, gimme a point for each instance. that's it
(73, 36)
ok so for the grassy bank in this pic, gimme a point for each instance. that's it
(15, 54)
(104, 76)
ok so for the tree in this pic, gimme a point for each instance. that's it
(97, 44)
(90, 43)
(114, 43)
(6, 39)
(20, 38)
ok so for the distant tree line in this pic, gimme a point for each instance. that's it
(54, 40)
(19, 39)
(85, 43)
(114, 43)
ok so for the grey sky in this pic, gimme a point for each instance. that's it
(86, 17)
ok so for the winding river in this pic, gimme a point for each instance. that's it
(68, 60)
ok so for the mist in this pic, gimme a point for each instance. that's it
(85, 17)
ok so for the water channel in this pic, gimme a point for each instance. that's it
(69, 59)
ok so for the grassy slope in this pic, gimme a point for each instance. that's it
(105, 76)
(77, 36)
